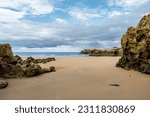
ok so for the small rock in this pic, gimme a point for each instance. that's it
(3, 84)
(52, 69)
(117, 85)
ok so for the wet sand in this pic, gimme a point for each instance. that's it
(94, 78)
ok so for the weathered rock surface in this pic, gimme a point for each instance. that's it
(15, 67)
(50, 69)
(5, 51)
(6, 54)
(3, 84)
(36, 61)
(12, 71)
(103, 52)
(33, 70)
(136, 47)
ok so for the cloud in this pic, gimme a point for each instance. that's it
(35, 7)
(61, 21)
(114, 13)
(83, 13)
(10, 15)
(126, 3)
(49, 49)
(71, 29)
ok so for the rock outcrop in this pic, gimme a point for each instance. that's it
(136, 47)
(5, 51)
(103, 52)
(36, 61)
(15, 67)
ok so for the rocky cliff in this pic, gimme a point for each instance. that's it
(136, 47)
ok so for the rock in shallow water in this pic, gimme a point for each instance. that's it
(136, 47)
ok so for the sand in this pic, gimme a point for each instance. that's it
(81, 78)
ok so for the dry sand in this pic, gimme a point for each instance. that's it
(81, 78)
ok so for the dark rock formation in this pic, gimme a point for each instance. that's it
(136, 47)
(12, 71)
(14, 67)
(3, 84)
(33, 70)
(36, 61)
(103, 52)
(5, 51)
(6, 54)
(19, 59)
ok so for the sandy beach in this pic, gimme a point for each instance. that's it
(81, 78)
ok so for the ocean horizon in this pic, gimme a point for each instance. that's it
(53, 54)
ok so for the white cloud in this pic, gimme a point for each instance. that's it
(114, 13)
(28, 30)
(61, 21)
(35, 7)
(125, 3)
(106, 43)
(84, 13)
(10, 15)
(62, 48)
(117, 13)
(38, 7)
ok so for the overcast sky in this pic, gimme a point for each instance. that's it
(67, 25)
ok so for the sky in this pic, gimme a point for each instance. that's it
(67, 25)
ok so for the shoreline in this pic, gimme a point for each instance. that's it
(81, 78)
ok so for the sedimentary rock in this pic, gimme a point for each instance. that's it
(33, 70)
(14, 67)
(36, 61)
(136, 47)
(6, 54)
(103, 52)
(12, 71)
(5, 50)
(19, 59)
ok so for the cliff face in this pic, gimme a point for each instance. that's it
(136, 47)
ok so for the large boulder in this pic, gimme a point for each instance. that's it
(136, 47)
(5, 50)
(12, 71)
(6, 54)
(33, 70)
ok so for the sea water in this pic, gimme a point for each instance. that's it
(48, 54)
